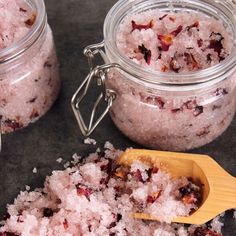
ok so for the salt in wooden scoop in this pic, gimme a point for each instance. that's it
(218, 187)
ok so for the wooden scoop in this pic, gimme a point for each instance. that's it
(218, 187)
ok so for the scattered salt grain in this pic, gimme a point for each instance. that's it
(59, 160)
(76, 159)
(90, 141)
(27, 188)
(216, 224)
(108, 146)
(35, 170)
(67, 164)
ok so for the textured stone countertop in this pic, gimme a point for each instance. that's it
(76, 24)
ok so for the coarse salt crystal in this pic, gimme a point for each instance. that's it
(59, 160)
(90, 141)
(67, 164)
(108, 146)
(27, 187)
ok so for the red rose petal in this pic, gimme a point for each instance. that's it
(166, 40)
(140, 27)
(146, 52)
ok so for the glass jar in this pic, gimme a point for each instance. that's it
(162, 110)
(29, 78)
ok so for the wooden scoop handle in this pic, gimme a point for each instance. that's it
(219, 187)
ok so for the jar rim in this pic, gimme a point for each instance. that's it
(225, 9)
(17, 48)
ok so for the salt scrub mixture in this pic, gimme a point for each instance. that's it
(175, 43)
(29, 84)
(96, 196)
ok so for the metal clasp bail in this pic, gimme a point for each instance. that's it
(92, 50)
(106, 95)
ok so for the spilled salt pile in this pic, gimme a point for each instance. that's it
(97, 196)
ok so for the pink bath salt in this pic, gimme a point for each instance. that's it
(16, 19)
(28, 87)
(173, 42)
(97, 196)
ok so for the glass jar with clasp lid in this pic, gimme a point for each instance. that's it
(29, 77)
(162, 110)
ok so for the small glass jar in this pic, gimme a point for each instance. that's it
(29, 78)
(162, 110)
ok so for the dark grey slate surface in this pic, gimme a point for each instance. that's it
(76, 24)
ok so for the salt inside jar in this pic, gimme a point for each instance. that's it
(29, 79)
(169, 76)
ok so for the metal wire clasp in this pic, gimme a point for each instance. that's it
(107, 95)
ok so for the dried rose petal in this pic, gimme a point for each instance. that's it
(3, 102)
(204, 131)
(199, 43)
(47, 64)
(171, 18)
(159, 102)
(151, 171)
(118, 217)
(47, 212)
(191, 104)
(174, 65)
(146, 52)
(209, 60)
(31, 20)
(6, 216)
(138, 176)
(189, 199)
(216, 107)
(194, 25)
(221, 92)
(154, 197)
(189, 194)
(198, 110)
(205, 232)
(13, 124)
(177, 31)
(65, 224)
(140, 27)
(32, 100)
(164, 68)
(22, 9)
(34, 114)
(7, 234)
(120, 174)
(190, 59)
(155, 170)
(216, 43)
(166, 40)
(176, 110)
(104, 180)
(83, 191)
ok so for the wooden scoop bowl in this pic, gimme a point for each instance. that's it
(218, 186)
